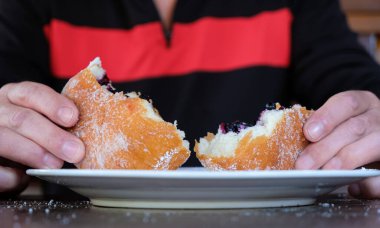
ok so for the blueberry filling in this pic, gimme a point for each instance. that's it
(235, 126)
(105, 81)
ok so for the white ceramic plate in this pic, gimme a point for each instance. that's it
(198, 188)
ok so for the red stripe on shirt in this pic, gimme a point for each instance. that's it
(208, 44)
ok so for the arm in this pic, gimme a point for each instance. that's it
(30, 113)
(326, 56)
(332, 69)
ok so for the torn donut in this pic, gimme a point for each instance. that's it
(274, 143)
(121, 131)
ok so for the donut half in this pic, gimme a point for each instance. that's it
(121, 131)
(274, 143)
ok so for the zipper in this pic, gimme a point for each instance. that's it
(167, 32)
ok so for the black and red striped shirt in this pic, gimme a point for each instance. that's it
(222, 60)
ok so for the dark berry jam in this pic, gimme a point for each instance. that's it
(105, 81)
(235, 126)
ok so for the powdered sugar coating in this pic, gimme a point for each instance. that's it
(273, 143)
(122, 132)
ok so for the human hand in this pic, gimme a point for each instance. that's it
(345, 134)
(30, 116)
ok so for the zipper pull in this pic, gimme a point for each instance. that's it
(168, 36)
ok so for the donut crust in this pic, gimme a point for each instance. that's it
(277, 151)
(120, 132)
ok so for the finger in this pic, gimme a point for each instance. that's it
(11, 179)
(362, 152)
(40, 130)
(45, 100)
(367, 189)
(319, 153)
(336, 110)
(22, 150)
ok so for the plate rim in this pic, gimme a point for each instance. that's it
(203, 174)
(136, 194)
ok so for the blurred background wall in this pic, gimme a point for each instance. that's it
(364, 18)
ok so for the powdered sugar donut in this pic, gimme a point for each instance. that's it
(121, 131)
(273, 143)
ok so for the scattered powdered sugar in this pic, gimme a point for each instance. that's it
(326, 205)
(31, 206)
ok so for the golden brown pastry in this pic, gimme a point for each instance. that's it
(121, 131)
(274, 143)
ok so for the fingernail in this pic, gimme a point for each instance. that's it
(51, 161)
(354, 190)
(66, 114)
(72, 150)
(315, 130)
(305, 162)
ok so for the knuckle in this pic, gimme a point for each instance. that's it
(347, 157)
(39, 151)
(23, 92)
(58, 138)
(18, 118)
(320, 158)
(5, 88)
(313, 151)
(358, 125)
(350, 100)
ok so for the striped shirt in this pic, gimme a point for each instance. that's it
(220, 60)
